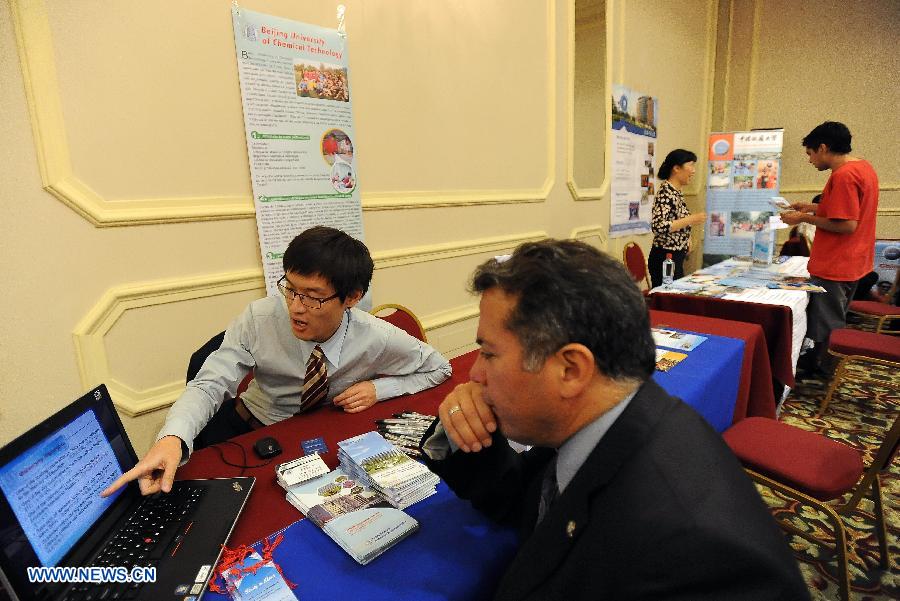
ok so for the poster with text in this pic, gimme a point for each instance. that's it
(298, 118)
(744, 174)
(633, 183)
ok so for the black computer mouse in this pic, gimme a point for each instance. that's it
(267, 447)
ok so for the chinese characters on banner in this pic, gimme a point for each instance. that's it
(744, 175)
(299, 124)
(633, 183)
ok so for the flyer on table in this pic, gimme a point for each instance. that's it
(298, 117)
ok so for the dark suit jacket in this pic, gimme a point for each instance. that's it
(661, 509)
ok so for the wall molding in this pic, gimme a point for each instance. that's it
(89, 335)
(600, 192)
(450, 317)
(448, 250)
(589, 231)
(90, 332)
(35, 48)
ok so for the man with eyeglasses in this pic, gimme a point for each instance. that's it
(308, 347)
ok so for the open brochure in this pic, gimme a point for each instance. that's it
(318, 490)
(677, 340)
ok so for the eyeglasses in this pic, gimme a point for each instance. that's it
(310, 302)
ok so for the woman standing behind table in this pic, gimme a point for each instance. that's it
(672, 221)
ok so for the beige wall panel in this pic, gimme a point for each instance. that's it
(590, 98)
(150, 97)
(821, 61)
(449, 97)
(143, 350)
(668, 52)
(439, 108)
(142, 430)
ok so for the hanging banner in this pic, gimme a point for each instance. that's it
(887, 264)
(298, 118)
(744, 176)
(633, 183)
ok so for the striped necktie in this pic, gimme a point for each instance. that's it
(315, 384)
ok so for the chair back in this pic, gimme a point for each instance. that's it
(401, 317)
(880, 462)
(198, 358)
(634, 260)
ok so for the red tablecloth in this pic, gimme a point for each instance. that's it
(755, 394)
(776, 322)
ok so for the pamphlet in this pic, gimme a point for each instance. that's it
(763, 246)
(666, 360)
(677, 340)
(385, 465)
(300, 470)
(363, 523)
(249, 582)
(318, 490)
(780, 203)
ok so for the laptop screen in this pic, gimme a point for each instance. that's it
(53, 487)
(51, 478)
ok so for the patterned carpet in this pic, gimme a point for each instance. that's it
(859, 415)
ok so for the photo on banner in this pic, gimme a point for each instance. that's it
(633, 160)
(743, 175)
(887, 265)
(298, 117)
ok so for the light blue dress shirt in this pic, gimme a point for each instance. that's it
(260, 339)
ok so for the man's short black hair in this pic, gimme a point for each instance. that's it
(567, 292)
(832, 134)
(336, 256)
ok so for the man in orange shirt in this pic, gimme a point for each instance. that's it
(844, 247)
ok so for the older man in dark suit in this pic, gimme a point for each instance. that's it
(627, 493)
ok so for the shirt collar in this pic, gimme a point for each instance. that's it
(331, 348)
(574, 452)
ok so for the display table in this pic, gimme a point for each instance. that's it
(268, 511)
(780, 313)
(755, 396)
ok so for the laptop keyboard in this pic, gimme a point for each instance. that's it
(159, 521)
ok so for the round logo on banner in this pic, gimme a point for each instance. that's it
(720, 147)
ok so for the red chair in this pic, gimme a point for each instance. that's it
(874, 316)
(634, 260)
(401, 317)
(818, 472)
(856, 346)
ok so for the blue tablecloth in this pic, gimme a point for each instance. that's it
(708, 379)
(456, 554)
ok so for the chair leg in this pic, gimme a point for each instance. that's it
(880, 527)
(835, 381)
(840, 534)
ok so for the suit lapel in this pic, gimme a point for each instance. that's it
(552, 540)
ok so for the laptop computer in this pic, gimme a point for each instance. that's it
(160, 547)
